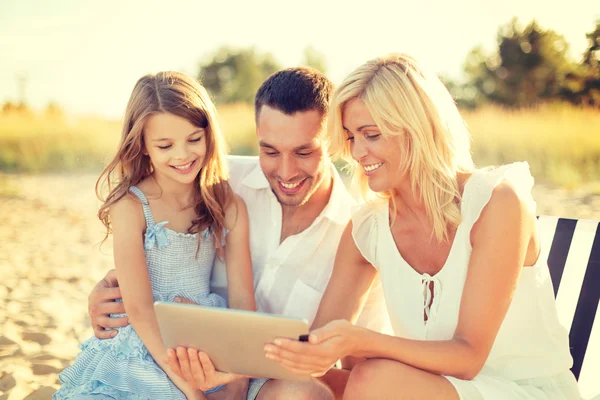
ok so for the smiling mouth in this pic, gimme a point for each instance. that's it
(291, 188)
(185, 167)
(372, 167)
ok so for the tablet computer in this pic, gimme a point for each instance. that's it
(234, 339)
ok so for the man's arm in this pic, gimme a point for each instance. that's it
(101, 303)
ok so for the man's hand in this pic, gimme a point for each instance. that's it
(197, 369)
(101, 303)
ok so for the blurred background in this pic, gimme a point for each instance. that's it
(526, 76)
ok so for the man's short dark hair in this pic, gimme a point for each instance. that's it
(294, 90)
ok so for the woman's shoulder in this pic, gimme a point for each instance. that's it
(518, 176)
(368, 210)
(501, 188)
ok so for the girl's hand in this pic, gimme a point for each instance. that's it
(197, 369)
(325, 347)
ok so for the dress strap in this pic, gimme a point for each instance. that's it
(145, 206)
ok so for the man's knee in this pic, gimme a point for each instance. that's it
(294, 390)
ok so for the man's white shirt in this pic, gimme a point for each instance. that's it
(290, 277)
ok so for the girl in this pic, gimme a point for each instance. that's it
(457, 250)
(171, 211)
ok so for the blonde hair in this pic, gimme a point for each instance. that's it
(177, 94)
(414, 106)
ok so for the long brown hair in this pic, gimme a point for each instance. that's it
(177, 94)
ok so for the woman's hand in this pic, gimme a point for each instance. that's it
(197, 369)
(326, 345)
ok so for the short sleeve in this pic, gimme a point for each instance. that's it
(485, 181)
(365, 230)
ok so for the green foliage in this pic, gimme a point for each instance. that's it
(314, 59)
(233, 75)
(583, 85)
(528, 66)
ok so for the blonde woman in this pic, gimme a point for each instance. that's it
(170, 210)
(456, 249)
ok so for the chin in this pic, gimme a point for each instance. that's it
(377, 187)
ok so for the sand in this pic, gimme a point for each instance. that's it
(50, 260)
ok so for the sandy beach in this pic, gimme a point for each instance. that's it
(50, 258)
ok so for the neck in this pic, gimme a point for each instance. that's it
(409, 203)
(179, 193)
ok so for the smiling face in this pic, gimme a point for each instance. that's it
(175, 146)
(378, 156)
(292, 155)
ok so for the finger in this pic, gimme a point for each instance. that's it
(296, 358)
(293, 366)
(207, 365)
(184, 363)
(183, 300)
(111, 278)
(294, 345)
(108, 322)
(102, 333)
(108, 293)
(106, 308)
(173, 362)
(203, 380)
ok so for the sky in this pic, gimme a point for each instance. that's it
(87, 55)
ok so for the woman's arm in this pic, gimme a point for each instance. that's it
(500, 240)
(240, 284)
(128, 225)
(349, 285)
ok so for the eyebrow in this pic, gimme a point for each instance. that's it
(360, 128)
(201, 130)
(301, 147)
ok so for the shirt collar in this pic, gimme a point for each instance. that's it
(256, 179)
(340, 201)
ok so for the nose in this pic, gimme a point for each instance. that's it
(181, 152)
(287, 168)
(357, 148)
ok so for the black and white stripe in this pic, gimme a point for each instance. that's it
(572, 248)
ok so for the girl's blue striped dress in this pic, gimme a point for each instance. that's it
(121, 367)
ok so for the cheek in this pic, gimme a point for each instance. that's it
(267, 164)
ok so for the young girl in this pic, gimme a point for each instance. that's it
(171, 211)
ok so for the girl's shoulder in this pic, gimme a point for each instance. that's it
(128, 212)
(234, 210)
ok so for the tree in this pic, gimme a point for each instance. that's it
(314, 59)
(233, 75)
(529, 65)
(582, 86)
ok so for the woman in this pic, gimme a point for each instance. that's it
(456, 248)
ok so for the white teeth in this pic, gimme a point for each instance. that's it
(290, 185)
(373, 167)
(182, 167)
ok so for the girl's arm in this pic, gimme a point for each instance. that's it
(500, 239)
(240, 284)
(128, 226)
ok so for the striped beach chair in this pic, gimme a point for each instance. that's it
(572, 248)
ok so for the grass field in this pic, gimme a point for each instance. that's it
(561, 142)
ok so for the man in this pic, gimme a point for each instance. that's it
(298, 208)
